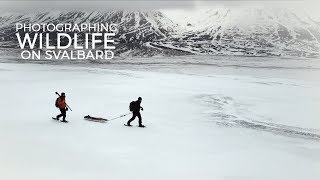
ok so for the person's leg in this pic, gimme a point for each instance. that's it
(132, 118)
(140, 119)
(64, 114)
(60, 115)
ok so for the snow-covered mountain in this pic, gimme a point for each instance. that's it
(253, 31)
(226, 31)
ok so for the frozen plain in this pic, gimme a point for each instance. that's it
(221, 118)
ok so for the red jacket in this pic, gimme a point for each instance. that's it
(62, 103)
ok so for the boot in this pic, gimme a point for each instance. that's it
(64, 120)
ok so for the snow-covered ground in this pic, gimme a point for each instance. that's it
(225, 119)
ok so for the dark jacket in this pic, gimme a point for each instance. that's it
(136, 106)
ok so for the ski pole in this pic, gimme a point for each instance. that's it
(119, 116)
(66, 103)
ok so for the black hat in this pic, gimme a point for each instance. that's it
(139, 98)
(63, 94)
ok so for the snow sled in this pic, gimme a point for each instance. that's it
(95, 119)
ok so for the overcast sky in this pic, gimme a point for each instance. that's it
(312, 6)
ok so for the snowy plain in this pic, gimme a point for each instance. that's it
(222, 118)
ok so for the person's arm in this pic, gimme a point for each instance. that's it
(65, 104)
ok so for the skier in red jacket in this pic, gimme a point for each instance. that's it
(62, 105)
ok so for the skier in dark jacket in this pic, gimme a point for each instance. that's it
(135, 108)
(62, 105)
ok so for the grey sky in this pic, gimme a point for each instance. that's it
(171, 5)
(92, 5)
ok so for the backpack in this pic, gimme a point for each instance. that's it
(131, 106)
(57, 102)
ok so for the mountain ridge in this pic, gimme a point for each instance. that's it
(220, 31)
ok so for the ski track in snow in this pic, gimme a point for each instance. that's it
(226, 112)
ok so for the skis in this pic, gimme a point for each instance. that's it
(95, 119)
(54, 118)
(143, 126)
